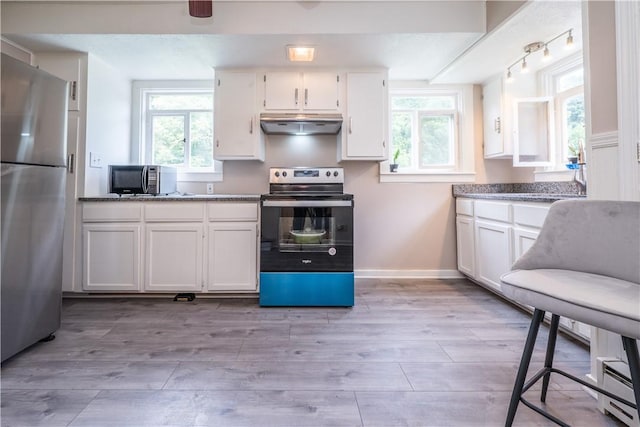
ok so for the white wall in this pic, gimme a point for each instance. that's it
(108, 122)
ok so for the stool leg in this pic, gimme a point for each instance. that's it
(548, 360)
(538, 315)
(631, 349)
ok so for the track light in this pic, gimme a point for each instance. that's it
(546, 55)
(569, 43)
(536, 46)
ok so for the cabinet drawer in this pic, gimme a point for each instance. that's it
(223, 211)
(464, 207)
(530, 215)
(111, 212)
(497, 211)
(171, 212)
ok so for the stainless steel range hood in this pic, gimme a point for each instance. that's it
(300, 124)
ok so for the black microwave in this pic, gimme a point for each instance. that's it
(142, 179)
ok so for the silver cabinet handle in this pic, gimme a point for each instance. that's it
(350, 124)
(251, 126)
(497, 126)
(217, 143)
(74, 90)
(306, 97)
(296, 96)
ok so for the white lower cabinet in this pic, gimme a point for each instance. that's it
(112, 257)
(174, 257)
(170, 246)
(493, 252)
(232, 257)
(502, 232)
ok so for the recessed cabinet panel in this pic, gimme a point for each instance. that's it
(320, 91)
(493, 252)
(522, 241)
(465, 245)
(236, 127)
(364, 131)
(232, 257)
(533, 137)
(111, 259)
(174, 257)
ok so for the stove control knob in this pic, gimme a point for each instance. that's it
(335, 173)
(284, 173)
(328, 173)
(277, 174)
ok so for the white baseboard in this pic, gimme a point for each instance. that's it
(408, 274)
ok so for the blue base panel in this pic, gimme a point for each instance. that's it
(307, 289)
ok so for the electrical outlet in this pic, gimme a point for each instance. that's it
(95, 160)
(209, 188)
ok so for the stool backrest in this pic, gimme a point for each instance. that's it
(591, 236)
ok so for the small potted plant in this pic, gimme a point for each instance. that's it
(574, 152)
(393, 167)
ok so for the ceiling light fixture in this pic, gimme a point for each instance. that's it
(300, 53)
(201, 8)
(536, 46)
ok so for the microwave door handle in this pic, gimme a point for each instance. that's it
(145, 184)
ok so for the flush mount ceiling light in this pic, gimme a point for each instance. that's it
(534, 47)
(300, 53)
(201, 8)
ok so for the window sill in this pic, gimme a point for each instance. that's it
(412, 176)
(553, 175)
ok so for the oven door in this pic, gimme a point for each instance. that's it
(306, 235)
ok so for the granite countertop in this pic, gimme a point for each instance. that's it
(184, 197)
(531, 192)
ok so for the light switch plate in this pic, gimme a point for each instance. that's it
(209, 188)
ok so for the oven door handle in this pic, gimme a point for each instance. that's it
(307, 203)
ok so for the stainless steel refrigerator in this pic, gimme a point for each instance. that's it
(33, 130)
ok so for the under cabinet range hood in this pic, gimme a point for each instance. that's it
(300, 124)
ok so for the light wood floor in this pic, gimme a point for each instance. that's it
(410, 353)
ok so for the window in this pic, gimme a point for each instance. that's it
(173, 126)
(428, 133)
(565, 82)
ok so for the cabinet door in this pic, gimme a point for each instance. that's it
(365, 128)
(69, 67)
(533, 132)
(236, 127)
(522, 241)
(282, 91)
(465, 245)
(174, 257)
(232, 257)
(320, 91)
(493, 252)
(111, 257)
(492, 119)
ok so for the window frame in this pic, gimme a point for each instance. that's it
(463, 150)
(141, 124)
(547, 78)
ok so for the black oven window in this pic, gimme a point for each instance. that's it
(306, 229)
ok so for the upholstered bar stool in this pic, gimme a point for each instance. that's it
(585, 265)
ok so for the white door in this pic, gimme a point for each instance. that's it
(282, 91)
(232, 257)
(112, 257)
(320, 91)
(236, 127)
(492, 118)
(365, 125)
(465, 245)
(493, 252)
(523, 240)
(174, 257)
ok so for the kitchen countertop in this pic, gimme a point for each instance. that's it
(527, 192)
(186, 197)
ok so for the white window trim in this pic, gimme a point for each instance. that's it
(546, 81)
(138, 154)
(464, 149)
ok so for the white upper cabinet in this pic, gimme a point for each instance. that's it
(497, 105)
(236, 125)
(294, 91)
(533, 135)
(71, 67)
(365, 127)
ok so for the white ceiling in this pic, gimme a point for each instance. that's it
(463, 55)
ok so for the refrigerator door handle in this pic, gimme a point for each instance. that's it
(71, 163)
